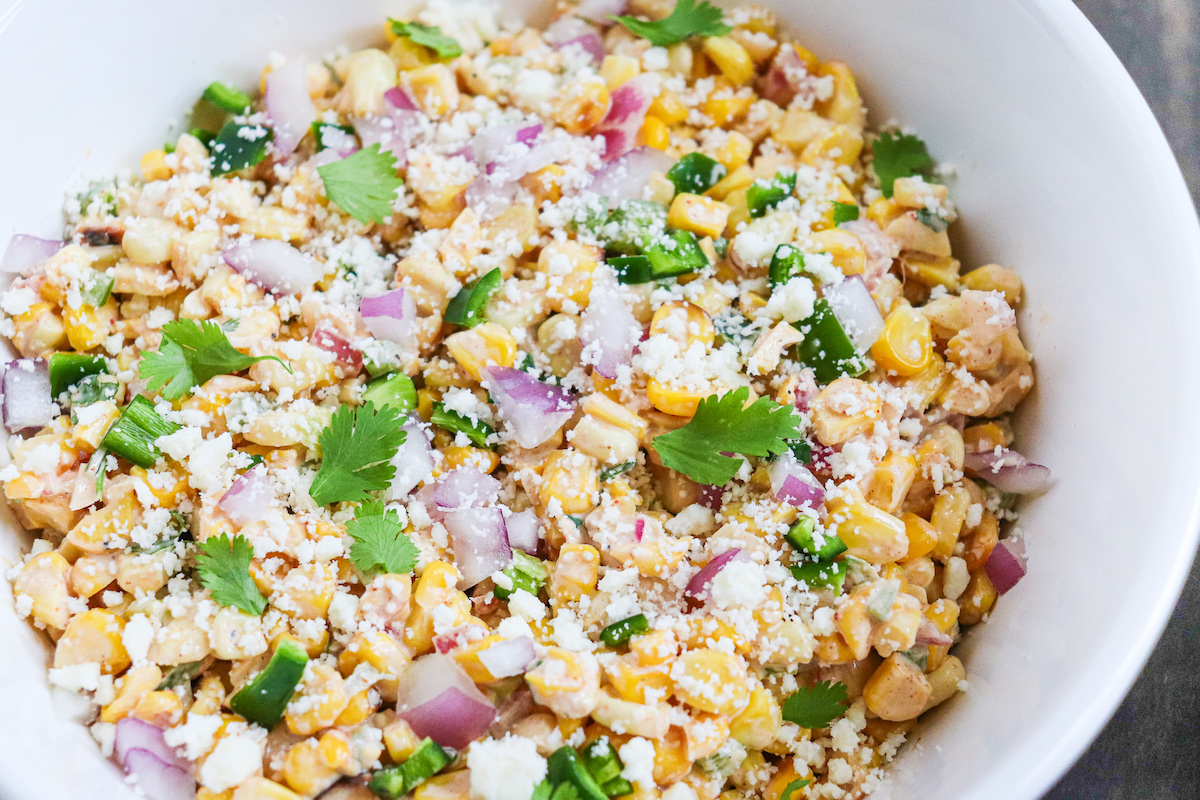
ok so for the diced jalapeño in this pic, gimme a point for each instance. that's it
(264, 699)
(826, 347)
(822, 575)
(787, 263)
(678, 257)
(763, 195)
(696, 173)
(622, 631)
(395, 390)
(452, 421)
(239, 147)
(227, 98)
(801, 536)
(466, 307)
(68, 369)
(631, 269)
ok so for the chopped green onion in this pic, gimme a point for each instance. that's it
(696, 173)
(94, 388)
(526, 572)
(631, 269)
(601, 760)
(822, 575)
(763, 195)
(238, 147)
(427, 760)
(802, 450)
(179, 675)
(68, 369)
(800, 536)
(227, 98)
(97, 289)
(608, 473)
(683, 255)
(786, 263)
(542, 791)
(452, 421)
(466, 307)
(565, 767)
(133, 435)
(622, 631)
(826, 346)
(565, 791)
(264, 699)
(319, 128)
(396, 391)
(618, 787)
(844, 212)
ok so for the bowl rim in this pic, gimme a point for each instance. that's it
(1085, 45)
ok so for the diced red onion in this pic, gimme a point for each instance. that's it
(274, 265)
(639, 529)
(390, 316)
(329, 340)
(566, 28)
(527, 134)
(881, 249)
(1006, 565)
(524, 530)
(1009, 471)
(391, 130)
(133, 733)
(854, 307)
(508, 657)
(27, 400)
(620, 126)
(400, 99)
(413, 461)
(784, 77)
(930, 634)
(711, 496)
(609, 331)
(491, 142)
(626, 178)
(25, 252)
(479, 541)
(288, 105)
(438, 700)
(531, 410)
(697, 588)
(158, 780)
(488, 198)
(599, 11)
(465, 487)
(249, 497)
(590, 43)
(456, 637)
(792, 483)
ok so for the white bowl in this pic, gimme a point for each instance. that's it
(1062, 173)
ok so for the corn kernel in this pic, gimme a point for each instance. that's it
(712, 680)
(668, 107)
(731, 58)
(434, 88)
(154, 166)
(571, 479)
(870, 533)
(484, 345)
(654, 133)
(906, 345)
(94, 635)
(677, 402)
(757, 725)
(847, 250)
(697, 214)
(617, 69)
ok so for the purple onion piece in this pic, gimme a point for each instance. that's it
(1009, 471)
(27, 400)
(479, 541)
(274, 265)
(531, 410)
(437, 699)
(25, 252)
(390, 316)
(288, 105)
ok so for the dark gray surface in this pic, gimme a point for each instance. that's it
(1151, 747)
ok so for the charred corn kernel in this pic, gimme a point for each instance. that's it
(995, 278)
(915, 192)
(570, 478)
(325, 697)
(434, 88)
(447, 786)
(304, 769)
(684, 322)
(654, 133)
(731, 58)
(844, 106)
(617, 69)
(840, 145)
(400, 740)
(134, 685)
(787, 772)
(545, 184)
(977, 600)
(847, 250)
(668, 107)
(154, 166)
(700, 215)
(160, 708)
(575, 572)
(88, 327)
(737, 179)
(711, 680)
(759, 723)
(922, 537)
(106, 528)
(677, 402)
(612, 412)
(897, 690)
(949, 513)
(259, 788)
(844, 409)
(906, 345)
(870, 533)
(475, 457)
(94, 635)
(582, 106)
(891, 481)
(724, 105)
(482, 346)
(654, 648)
(833, 649)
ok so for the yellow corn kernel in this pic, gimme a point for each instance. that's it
(654, 133)
(575, 573)
(737, 179)
(995, 278)
(447, 786)
(739, 213)
(209, 696)
(305, 770)
(468, 658)
(434, 88)
(632, 683)
(891, 481)
(135, 684)
(88, 327)
(105, 528)
(204, 793)
(671, 760)
(571, 479)
(977, 600)
(906, 345)
(787, 773)
(984, 437)
(922, 537)
(617, 69)
(435, 585)
(911, 233)
(87, 435)
(425, 401)
(326, 691)
(845, 105)
(358, 710)
(839, 144)
(949, 513)
(677, 402)
(654, 648)
(668, 107)
(757, 725)
(154, 166)
(259, 788)
(561, 672)
(39, 331)
(725, 105)
(43, 579)
(931, 270)
(847, 250)
(684, 322)
(475, 457)
(915, 192)
(734, 152)
(482, 346)
(380, 650)
(607, 410)
(581, 107)
(833, 649)
(700, 215)
(882, 210)
(161, 708)
(94, 635)
(924, 387)
(870, 533)
(409, 55)
(400, 740)
(545, 185)
(844, 409)
(712, 680)
(731, 58)
(897, 690)
(89, 575)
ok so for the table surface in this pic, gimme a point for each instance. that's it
(1151, 747)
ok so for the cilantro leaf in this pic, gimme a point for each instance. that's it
(790, 790)
(363, 184)
(429, 36)
(899, 155)
(224, 569)
(816, 707)
(356, 449)
(686, 20)
(379, 541)
(723, 425)
(190, 354)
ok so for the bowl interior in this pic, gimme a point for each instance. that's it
(1061, 173)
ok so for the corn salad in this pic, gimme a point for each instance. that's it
(504, 413)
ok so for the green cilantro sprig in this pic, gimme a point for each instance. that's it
(429, 36)
(379, 542)
(688, 19)
(790, 790)
(724, 424)
(355, 450)
(899, 155)
(363, 184)
(816, 707)
(224, 569)
(190, 354)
